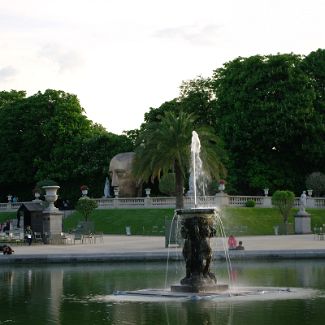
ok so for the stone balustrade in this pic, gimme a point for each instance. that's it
(218, 200)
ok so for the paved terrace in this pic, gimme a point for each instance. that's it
(148, 248)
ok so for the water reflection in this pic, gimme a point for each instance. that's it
(55, 294)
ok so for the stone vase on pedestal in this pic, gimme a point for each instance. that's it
(52, 217)
(51, 197)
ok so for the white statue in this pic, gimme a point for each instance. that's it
(303, 201)
(107, 188)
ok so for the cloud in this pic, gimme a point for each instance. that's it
(65, 59)
(7, 72)
(197, 35)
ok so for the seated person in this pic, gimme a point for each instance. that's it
(240, 246)
(232, 242)
(7, 250)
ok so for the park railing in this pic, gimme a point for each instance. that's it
(218, 200)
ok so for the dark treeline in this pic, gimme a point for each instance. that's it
(47, 136)
(268, 112)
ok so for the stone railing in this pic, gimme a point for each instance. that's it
(206, 201)
(219, 200)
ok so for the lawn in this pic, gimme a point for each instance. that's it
(256, 221)
(114, 221)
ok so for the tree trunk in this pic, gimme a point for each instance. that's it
(179, 186)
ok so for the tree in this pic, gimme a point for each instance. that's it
(48, 135)
(284, 200)
(85, 206)
(197, 97)
(10, 97)
(165, 146)
(265, 114)
(316, 182)
(314, 66)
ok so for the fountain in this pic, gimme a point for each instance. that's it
(197, 226)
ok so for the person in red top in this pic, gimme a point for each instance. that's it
(232, 242)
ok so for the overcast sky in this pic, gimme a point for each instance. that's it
(121, 57)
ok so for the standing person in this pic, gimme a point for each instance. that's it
(6, 228)
(232, 242)
(29, 235)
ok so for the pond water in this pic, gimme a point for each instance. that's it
(71, 294)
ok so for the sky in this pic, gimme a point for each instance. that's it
(121, 57)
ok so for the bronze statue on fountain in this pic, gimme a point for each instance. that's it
(197, 228)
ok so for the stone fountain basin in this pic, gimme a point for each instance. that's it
(230, 295)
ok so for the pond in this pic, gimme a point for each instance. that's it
(70, 294)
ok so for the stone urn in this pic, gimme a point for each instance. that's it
(148, 191)
(51, 196)
(116, 191)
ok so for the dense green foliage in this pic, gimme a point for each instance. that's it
(269, 123)
(46, 136)
(164, 146)
(268, 111)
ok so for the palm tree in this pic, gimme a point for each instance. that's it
(165, 146)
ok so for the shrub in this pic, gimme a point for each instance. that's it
(316, 182)
(250, 203)
(283, 200)
(85, 206)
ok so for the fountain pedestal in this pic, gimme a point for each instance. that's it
(197, 227)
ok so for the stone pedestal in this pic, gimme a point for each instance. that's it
(302, 222)
(222, 199)
(52, 222)
(52, 217)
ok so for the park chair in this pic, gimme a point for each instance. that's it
(78, 236)
(38, 237)
(99, 236)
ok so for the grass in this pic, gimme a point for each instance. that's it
(114, 221)
(4, 216)
(259, 221)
